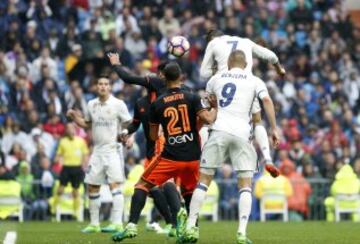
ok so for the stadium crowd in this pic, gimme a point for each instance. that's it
(52, 51)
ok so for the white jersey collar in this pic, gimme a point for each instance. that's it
(106, 101)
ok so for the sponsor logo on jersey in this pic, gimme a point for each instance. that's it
(172, 140)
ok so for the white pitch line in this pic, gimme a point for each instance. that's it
(10, 237)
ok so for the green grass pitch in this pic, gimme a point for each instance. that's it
(221, 232)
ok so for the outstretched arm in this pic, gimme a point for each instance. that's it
(268, 55)
(124, 75)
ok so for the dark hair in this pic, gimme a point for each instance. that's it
(172, 71)
(162, 66)
(211, 34)
(104, 76)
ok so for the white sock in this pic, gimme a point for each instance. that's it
(262, 139)
(94, 208)
(117, 207)
(197, 200)
(245, 201)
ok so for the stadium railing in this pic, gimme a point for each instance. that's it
(320, 190)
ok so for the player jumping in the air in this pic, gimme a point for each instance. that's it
(236, 91)
(106, 114)
(168, 195)
(215, 61)
(176, 111)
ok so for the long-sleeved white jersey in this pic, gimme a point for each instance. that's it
(218, 51)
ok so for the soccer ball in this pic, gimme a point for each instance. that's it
(178, 46)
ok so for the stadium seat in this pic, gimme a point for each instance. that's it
(10, 200)
(128, 191)
(65, 206)
(271, 203)
(347, 204)
(211, 204)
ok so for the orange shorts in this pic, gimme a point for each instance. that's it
(161, 170)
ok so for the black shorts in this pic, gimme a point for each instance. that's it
(73, 174)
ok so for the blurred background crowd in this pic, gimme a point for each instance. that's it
(51, 52)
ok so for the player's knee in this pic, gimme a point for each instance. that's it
(94, 188)
(169, 186)
(143, 186)
(75, 193)
(245, 179)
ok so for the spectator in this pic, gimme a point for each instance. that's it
(169, 24)
(298, 203)
(5, 173)
(346, 182)
(135, 44)
(266, 184)
(41, 206)
(45, 60)
(25, 178)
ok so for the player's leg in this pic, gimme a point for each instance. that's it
(162, 206)
(244, 159)
(173, 199)
(117, 209)
(64, 179)
(157, 173)
(115, 177)
(94, 177)
(214, 153)
(244, 205)
(76, 177)
(261, 137)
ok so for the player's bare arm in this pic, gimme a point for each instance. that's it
(266, 54)
(78, 119)
(270, 113)
(154, 132)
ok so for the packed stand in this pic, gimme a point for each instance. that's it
(51, 53)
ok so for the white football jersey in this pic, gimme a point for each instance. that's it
(236, 91)
(218, 51)
(106, 119)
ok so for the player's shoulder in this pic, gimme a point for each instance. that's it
(93, 101)
(116, 101)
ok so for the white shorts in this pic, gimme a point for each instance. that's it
(222, 146)
(105, 169)
(204, 135)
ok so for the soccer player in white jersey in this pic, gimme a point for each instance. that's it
(215, 61)
(236, 90)
(106, 114)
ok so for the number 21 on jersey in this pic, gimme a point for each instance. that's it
(181, 112)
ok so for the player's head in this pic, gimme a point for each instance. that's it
(70, 129)
(237, 59)
(172, 73)
(211, 34)
(103, 86)
(161, 68)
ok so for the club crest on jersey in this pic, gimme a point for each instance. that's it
(203, 161)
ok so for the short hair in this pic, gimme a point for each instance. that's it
(172, 71)
(162, 66)
(104, 76)
(237, 56)
(212, 33)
